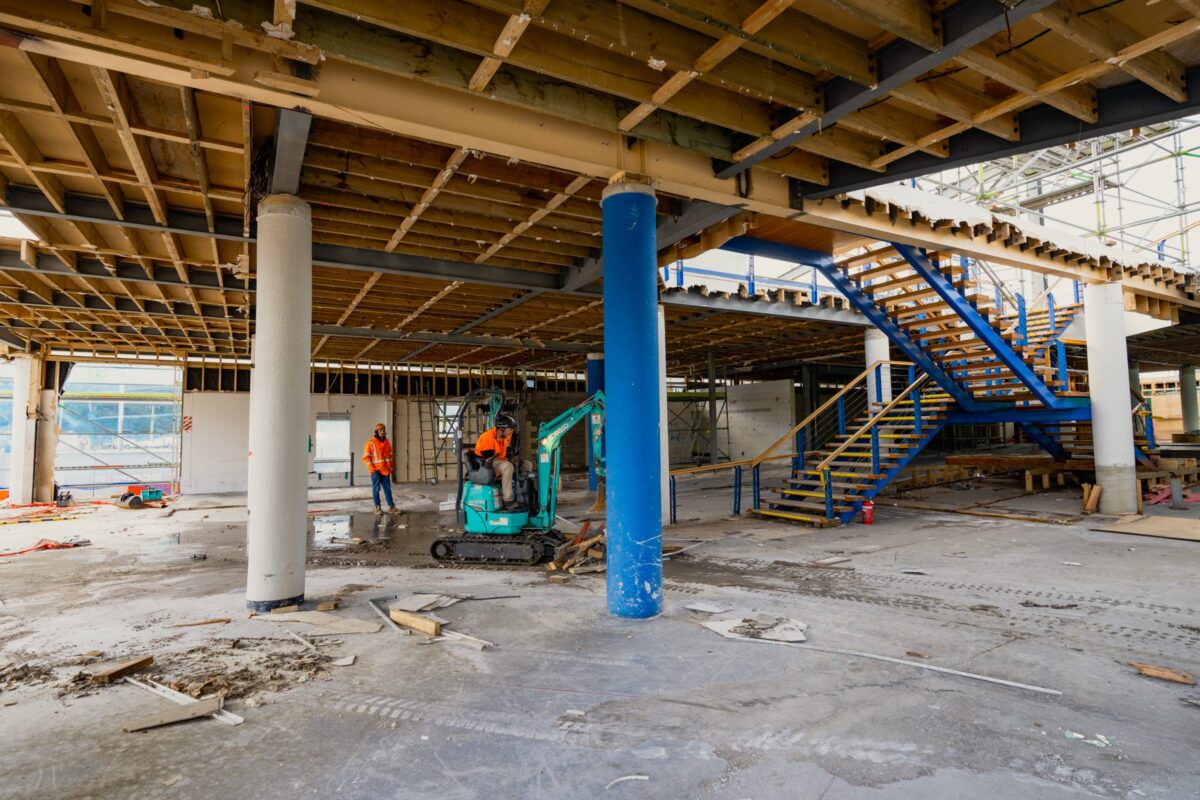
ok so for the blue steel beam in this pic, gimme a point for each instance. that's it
(1041, 416)
(1044, 440)
(1119, 108)
(978, 325)
(964, 25)
(859, 299)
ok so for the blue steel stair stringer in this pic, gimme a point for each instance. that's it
(979, 326)
(861, 302)
(1044, 440)
(929, 430)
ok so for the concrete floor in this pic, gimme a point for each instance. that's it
(571, 699)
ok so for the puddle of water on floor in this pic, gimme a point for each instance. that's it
(337, 531)
(401, 539)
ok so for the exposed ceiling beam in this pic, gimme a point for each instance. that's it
(128, 272)
(82, 208)
(384, 86)
(782, 310)
(291, 140)
(695, 217)
(13, 340)
(1119, 108)
(964, 25)
(62, 302)
(503, 308)
(450, 338)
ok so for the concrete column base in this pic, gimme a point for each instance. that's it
(1119, 496)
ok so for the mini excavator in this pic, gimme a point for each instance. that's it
(525, 534)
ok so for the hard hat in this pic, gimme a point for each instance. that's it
(505, 421)
(379, 426)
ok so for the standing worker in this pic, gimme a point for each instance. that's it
(377, 455)
(493, 447)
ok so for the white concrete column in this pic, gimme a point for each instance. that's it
(1108, 381)
(664, 439)
(277, 533)
(879, 348)
(45, 445)
(1187, 399)
(27, 384)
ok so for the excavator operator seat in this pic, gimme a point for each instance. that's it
(478, 473)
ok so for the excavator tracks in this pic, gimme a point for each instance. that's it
(527, 548)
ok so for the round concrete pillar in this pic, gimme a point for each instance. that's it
(277, 533)
(879, 348)
(1187, 399)
(1108, 385)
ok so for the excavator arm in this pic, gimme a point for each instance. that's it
(550, 436)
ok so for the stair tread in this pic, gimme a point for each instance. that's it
(786, 492)
(803, 506)
(820, 522)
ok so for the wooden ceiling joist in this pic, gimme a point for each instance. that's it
(478, 135)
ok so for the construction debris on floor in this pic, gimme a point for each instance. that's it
(582, 555)
(49, 544)
(936, 625)
(405, 613)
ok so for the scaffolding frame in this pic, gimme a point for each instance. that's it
(688, 419)
(1129, 211)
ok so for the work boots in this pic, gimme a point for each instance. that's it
(378, 511)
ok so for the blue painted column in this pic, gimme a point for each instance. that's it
(595, 383)
(632, 411)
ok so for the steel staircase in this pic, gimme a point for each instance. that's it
(852, 446)
(1075, 436)
(968, 361)
(936, 315)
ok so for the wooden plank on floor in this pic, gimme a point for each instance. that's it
(115, 672)
(173, 714)
(1161, 527)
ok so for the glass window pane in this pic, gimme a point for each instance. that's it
(332, 446)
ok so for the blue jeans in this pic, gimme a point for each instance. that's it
(378, 479)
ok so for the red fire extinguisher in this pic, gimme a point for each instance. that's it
(868, 512)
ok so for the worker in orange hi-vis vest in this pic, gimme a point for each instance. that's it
(492, 447)
(377, 455)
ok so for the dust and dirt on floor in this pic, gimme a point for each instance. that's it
(565, 685)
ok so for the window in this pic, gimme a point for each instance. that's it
(447, 414)
(83, 416)
(332, 449)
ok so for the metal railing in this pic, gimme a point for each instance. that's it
(831, 419)
(869, 428)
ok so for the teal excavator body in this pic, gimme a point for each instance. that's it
(524, 532)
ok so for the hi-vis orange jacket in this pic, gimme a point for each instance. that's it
(377, 456)
(488, 440)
